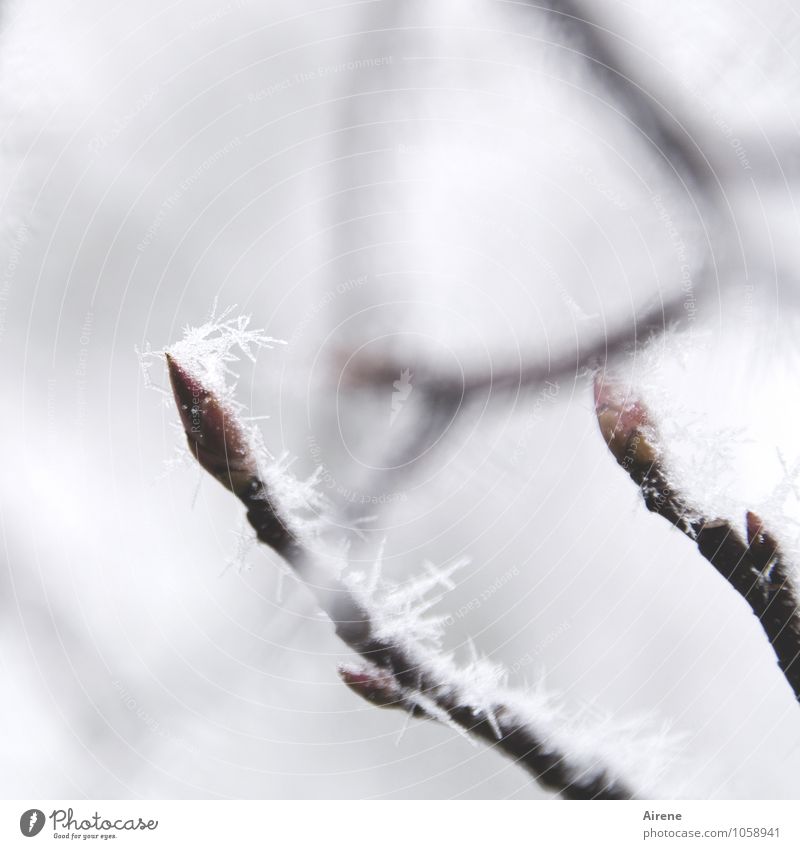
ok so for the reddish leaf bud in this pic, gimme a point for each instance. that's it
(624, 425)
(378, 686)
(215, 436)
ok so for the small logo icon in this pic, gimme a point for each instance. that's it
(402, 389)
(31, 822)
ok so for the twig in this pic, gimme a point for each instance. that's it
(686, 150)
(687, 146)
(397, 669)
(755, 568)
(451, 392)
(673, 135)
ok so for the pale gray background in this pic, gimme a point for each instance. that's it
(492, 204)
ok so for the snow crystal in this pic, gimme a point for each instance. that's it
(400, 611)
(635, 752)
(208, 350)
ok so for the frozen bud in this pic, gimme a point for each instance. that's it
(378, 686)
(215, 436)
(624, 425)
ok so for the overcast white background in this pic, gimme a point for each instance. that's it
(442, 180)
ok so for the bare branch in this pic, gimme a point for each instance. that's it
(447, 393)
(677, 141)
(687, 146)
(755, 568)
(692, 159)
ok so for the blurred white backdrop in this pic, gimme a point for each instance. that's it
(447, 181)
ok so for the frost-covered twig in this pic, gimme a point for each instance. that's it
(402, 665)
(755, 567)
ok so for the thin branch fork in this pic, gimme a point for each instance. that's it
(445, 396)
(756, 568)
(453, 392)
(693, 161)
(394, 673)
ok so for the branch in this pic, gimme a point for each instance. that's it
(682, 144)
(685, 150)
(672, 134)
(756, 568)
(386, 627)
(447, 393)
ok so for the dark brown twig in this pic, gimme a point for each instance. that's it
(756, 568)
(449, 393)
(678, 142)
(688, 152)
(395, 671)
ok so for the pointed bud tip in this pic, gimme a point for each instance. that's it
(185, 387)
